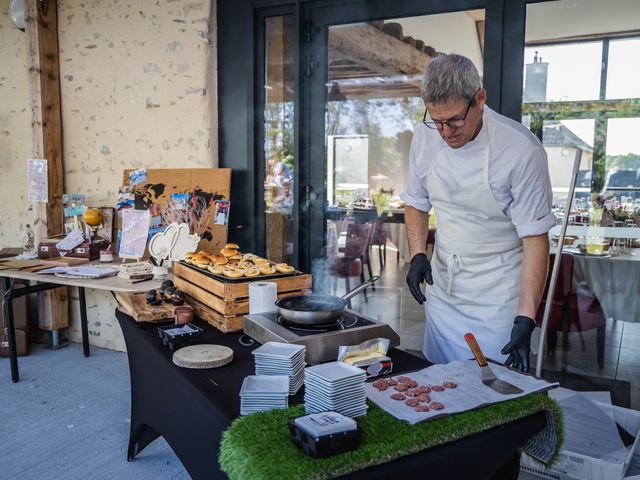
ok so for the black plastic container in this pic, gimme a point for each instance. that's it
(175, 342)
(325, 445)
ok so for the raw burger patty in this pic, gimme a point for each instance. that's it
(401, 387)
(449, 384)
(397, 396)
(412, 402)
(436, 406)
(424, 397)
(422, 408)
(437, 388)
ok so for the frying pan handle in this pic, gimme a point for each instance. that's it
(360, 287)
(475, 348)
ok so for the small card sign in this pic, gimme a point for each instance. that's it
(72, 240)
(135, 230)
(38, 180)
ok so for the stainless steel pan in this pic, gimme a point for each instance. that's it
(317, 309)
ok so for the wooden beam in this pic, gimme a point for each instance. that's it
(375, 50)
(46, 121)
(46, 129)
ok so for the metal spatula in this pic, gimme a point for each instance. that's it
(488, 377)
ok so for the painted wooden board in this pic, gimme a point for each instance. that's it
(136, 305)
(203, 356)
(209, 184)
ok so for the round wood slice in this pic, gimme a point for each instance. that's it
(203, 356)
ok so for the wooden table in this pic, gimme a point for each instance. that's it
(47, 282)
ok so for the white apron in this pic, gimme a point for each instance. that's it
(476, 265)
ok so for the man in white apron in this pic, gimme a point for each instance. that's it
(487, 179)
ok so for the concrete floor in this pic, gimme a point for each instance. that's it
(68, 419)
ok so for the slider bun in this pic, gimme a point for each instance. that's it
(267, 270)
(220, 260)
(260, 261)
(233, 246)
(237, 256)
(284, 268)
(229, 252)
(215, 269)
(233, 273)
(254, 272)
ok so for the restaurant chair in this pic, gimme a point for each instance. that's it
(350, 262)
(571, 311)
(379, 237)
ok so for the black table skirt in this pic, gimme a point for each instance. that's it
(191, 409)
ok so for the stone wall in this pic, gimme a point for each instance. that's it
(138, 88)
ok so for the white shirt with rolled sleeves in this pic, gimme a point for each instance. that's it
(518, 171)
(488, 195)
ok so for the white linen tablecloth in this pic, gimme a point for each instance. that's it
(615, 281)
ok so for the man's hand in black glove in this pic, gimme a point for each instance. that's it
(519, 347)
(419, 271)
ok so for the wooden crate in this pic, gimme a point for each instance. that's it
(222, 323)
(224, 306)
(232, 291)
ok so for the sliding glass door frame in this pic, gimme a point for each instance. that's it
(241, 98)
(314, 72)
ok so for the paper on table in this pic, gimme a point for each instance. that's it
(590, 430)
(72, 240)
(82, 271)
(471, 393)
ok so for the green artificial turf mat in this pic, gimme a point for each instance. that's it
(259, 446)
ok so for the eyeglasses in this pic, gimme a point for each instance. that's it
(452, 123)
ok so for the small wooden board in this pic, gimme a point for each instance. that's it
(64, 261)
(135, 304)
(203, 356)
(20, 264)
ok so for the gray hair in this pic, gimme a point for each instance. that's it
(450, 77)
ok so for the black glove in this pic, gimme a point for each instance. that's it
(519, 347)
(419, 271)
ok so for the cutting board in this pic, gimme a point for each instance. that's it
(20, 264)
(64, 261)
(136, 305)
(203, 356)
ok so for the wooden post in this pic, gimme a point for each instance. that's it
(46, 120)
(41, 27)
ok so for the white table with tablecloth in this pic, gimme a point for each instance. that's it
(614, 280)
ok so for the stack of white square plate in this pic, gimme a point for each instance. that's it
(277, 358)
(264, 392)
(335, 386)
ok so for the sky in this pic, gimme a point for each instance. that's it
(574, 74)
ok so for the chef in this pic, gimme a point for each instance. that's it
(486, 178)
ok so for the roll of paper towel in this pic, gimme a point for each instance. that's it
(262, 297)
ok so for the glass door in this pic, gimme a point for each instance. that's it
(581, 98)
(361, 127)
(278, 138)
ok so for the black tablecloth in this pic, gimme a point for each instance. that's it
(191, 409)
